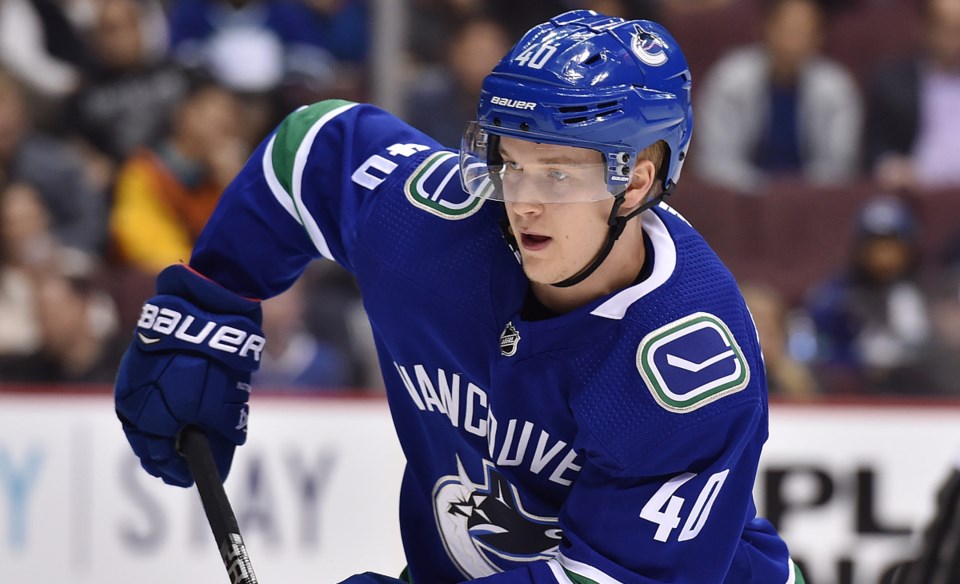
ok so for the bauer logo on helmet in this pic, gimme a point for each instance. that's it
(514, 103)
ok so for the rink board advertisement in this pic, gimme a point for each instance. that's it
(315, 491)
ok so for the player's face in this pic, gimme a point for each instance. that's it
(556, 239)
(502, 168)
(546, 173)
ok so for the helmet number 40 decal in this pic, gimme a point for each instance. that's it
(536, 56)
(664, 507)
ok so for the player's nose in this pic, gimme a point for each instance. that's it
(524, 207)
(526, 197)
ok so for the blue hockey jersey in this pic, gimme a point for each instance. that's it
(615, 443)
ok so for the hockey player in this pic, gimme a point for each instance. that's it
(589, 406)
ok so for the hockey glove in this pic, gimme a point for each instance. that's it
(190, 361)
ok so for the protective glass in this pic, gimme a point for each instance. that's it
(549, 178)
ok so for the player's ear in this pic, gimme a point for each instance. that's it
(644, 177)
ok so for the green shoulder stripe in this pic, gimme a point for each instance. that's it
(577, 578)
(291, 134)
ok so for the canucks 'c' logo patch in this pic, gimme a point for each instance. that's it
(429, 188)
(691, 362)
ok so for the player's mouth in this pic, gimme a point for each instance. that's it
(534, 241)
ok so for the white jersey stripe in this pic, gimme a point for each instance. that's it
(665, 261)
(558, 572)
(281, 195)
(300, 162)
(561, 564)
(558, 564)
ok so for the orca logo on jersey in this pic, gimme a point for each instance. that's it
(485, 528)
(692, 362)
(509, 340)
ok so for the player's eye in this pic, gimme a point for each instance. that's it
(557, 175)
(511, 165)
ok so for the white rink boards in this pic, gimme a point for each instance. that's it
(315, 490)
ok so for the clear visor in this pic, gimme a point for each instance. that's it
(515, 170)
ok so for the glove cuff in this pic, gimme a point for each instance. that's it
(181, 280)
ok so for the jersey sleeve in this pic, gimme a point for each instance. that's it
(303, 195)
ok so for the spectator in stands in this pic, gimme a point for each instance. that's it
(25, 242)
(341, 27)
(342, 30)
(912, 132)
(779, 107)
(39, 45)
(294, 52)
(56, 326)
(944, 356)
(164, 195)
(53, 170)
(28, 243)
(786, 376)
(436, 21)
(943, 359)
(873, 321)
(78, 326)
(294, 359)
(129, 90)
(336, 317)
(338, 27)
(445, 97)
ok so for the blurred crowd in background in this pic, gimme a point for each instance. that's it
(825, 168)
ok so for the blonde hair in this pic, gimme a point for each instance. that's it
(655, 153)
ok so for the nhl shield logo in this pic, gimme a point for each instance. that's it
(509, 339)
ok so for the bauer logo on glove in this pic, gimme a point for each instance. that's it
(193, 352)
(166, 321)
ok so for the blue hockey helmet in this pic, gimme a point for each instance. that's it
(590, 81)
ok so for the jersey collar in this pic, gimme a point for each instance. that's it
(664, 264)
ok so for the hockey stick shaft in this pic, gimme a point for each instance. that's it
(195, 448)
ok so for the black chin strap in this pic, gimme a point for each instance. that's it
(617, 224)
